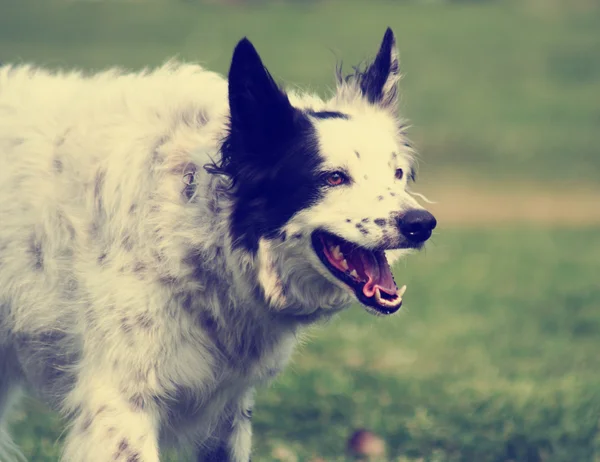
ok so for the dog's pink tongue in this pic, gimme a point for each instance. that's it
(378, 272)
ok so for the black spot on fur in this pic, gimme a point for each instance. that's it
(189, 180)
(102, 258)
(57, 165)
(211, 328)
(379, 198)
(87, 423)
(167, 280)
(201, 272)
(297, 236)
(357, 154)
(270, 157)
(158, 255)
(126, 325)
(365, 220)
(362, 229)
(127, 242)
(187, 303)
(135, 457)
(99, 217)
(144, 320)
(65, 226)
(213, 204)
(394, 155)
(348, 220)
(37, 252)
(393, 194)
(219, 454)
(132, 209)
(137, 402)
(139, 268)
(380, 221)
(99, 180)
(328, 115)
(366, 177)
(283, 236)
(123, 446)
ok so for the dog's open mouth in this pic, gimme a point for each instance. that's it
(366, 272)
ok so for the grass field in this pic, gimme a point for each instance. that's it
(496, 355)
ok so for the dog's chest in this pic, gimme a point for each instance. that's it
(197, 413)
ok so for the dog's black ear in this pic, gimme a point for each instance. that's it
(261, 114)
(379, 83)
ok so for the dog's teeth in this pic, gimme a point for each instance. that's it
(337, 253)
(378, 294)
(344, 264)
(353, 273)
(389, 303)
(402, 291)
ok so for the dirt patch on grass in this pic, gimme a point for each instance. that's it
(467, 203)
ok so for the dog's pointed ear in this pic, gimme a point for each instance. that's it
(379, 83)
(261, 114)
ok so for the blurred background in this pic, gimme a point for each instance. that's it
(496, 355)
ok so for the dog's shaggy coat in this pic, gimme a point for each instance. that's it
(158, 249)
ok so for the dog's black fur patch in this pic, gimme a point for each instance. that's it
(270, 154)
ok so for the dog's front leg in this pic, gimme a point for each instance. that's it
(110, 427)
(236, 445)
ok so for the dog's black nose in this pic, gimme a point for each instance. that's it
(416, 225)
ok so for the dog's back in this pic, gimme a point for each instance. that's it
(78, 154)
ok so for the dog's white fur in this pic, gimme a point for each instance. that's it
(100, 249)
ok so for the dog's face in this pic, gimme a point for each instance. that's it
(320, 189)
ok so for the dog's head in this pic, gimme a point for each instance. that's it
(319, 189)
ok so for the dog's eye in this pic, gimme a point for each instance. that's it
(335, 178)
(399, 173)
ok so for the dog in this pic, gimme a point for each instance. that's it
(167, 235)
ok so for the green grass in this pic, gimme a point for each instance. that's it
(494, 358)
(505, 88)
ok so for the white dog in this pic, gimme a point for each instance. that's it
(165, 235)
